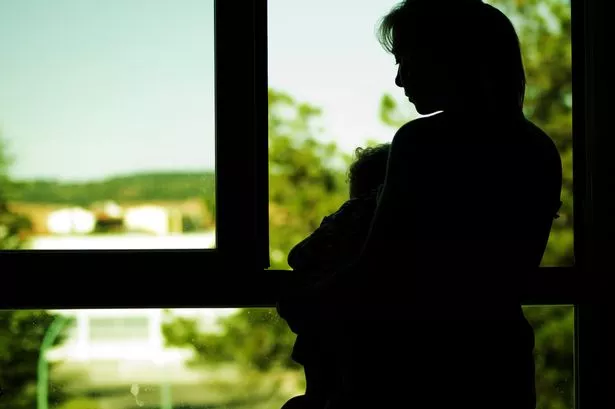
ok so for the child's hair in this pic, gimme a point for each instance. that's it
(368, 170)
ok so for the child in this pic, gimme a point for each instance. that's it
(334, 245)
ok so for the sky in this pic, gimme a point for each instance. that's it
(91, 89)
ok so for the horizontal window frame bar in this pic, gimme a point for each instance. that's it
(154, 284)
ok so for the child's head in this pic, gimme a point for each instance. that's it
(368, 170)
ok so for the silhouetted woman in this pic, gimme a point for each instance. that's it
(435, 319)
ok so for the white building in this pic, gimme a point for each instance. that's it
(71, 221)
(151, 219)
(127, 345)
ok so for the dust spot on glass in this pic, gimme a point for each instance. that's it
(134, 391)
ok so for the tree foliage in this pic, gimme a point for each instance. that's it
(554, 337)
(21, 331)
(12, 225)
(21, 336)
(255, 338)
(149, 186)
(307, 177)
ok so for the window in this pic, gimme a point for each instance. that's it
(208, 278)
(108, 112)
(332, 91)
(129, 329)
(346, 80)
(156, 75)
(193, 358)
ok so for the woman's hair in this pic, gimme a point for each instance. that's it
(368, 170)
(475, 39)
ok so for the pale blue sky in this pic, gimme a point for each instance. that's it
(92, 88)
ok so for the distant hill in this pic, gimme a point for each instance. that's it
(128, 188)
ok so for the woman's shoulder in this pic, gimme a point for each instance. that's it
(417, 129)
(415, 139)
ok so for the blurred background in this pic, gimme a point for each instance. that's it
(107, 141)
(107, 124)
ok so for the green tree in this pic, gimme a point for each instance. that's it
(12, 225)
(126, 188)
(307, 177)
(554, 337)
(255, 338)
(209, 199)
(21, 335)
(21, 332)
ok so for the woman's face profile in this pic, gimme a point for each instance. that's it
(422, 81)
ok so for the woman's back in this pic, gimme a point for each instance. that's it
(477, 199)
(467, 215)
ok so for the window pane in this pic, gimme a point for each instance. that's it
(111, 329)
(553, 355)
(107, 124)
(192, 359)
(150, 358)
(333, 90)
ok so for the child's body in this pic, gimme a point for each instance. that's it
(336, 243)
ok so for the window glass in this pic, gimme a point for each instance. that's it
(123, 328)
(553, 354)
(107, 124)
(196, 358)
(333, 90)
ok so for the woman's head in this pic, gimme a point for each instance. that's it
(455, 54)
(368, 170)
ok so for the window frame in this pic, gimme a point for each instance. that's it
(51, 279)
(233, 275)
(593, 34)
(242, 237)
